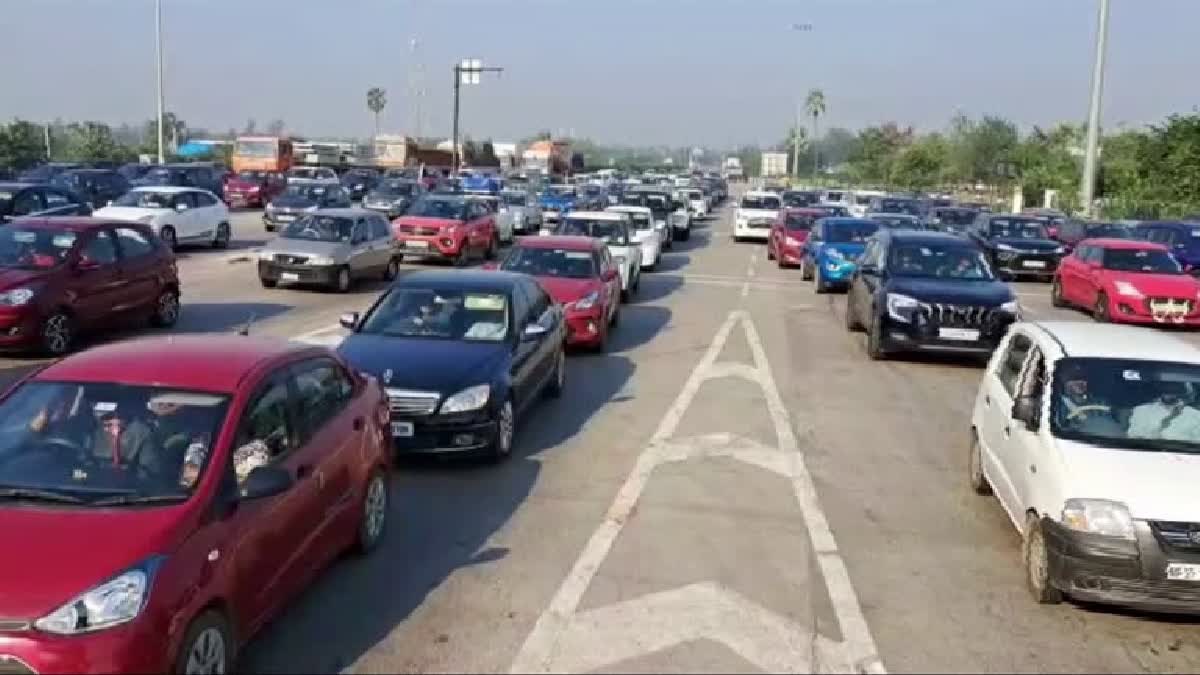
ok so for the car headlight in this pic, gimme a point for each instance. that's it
(586, 302)
(471, 398)
(1061, 250)
(16, 297)
(1012, 307)
(112, 603)
(897, 303)
(1098, 516)
(266, 255)
(792, 241)
(1127, 289)
(834, 255)
(147, 219)
(1005, 247)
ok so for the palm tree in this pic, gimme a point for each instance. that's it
(797, 138)
(814, 103)
(376, 102)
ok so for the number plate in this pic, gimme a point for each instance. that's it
(1183, 572)
(1037, 264)
(416, 244)
(285, 219)
(289, 276)
(964, 334)
(402, 429)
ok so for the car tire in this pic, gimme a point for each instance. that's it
(493, 248)
(166, 309)
(373, 521)
(687, 234)
(167, 234)
(1056, 296)
(221, 240)
(207, 646)
(268, 227)
(392, 270)
(1100, 310)
(1037, 564)
(805, 272)
(506, 425)
(770, 251)
(268, 283)
(342, 282)
(853, 325)
(57, 334)
(556, 385)
(819, 284)
(616, 315)
(875, 347)
(737, 239)
(976, 477)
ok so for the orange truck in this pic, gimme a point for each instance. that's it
(262, 153)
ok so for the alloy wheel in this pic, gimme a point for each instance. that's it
(504, 429)
(167, 312)
(56, 334)
(374, 511)
(207, 653)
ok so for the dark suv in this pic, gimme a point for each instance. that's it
(1018, 246)
(97, 186)
(62, 277)
(25, 199)
(1071, 232)
(927, 291)
(203, 176)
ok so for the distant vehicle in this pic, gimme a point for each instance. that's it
(197, 175)
(592, 197)
(97, 186)
(1053, 218)
(36, 199)
(66, 277)
(463, 356)
(757, 210)
(789, 232)
(832, 251)
(897, 221)
(860, 200)
(650, 234)
(832, 211)
(1072, 231)
(263, 153)
(1181, 238)
(1127, 281)
(557, 200)
(836, 198)
(615, 231)
(133, 170)
(696, 204)
(332, 248)
(44, 173)
(523, 207)
(905, 205)
(358, 182)
(951, 219)
(1017, 246)
(580, 274)
(300, 197)
(393, 196)
(178, 215)
(312, 173)
(501, 218)
(796, 199)
(664, 208)
(253, 188)
(927, 291)
(447, 227)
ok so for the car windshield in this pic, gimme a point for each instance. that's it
(1144, 261)
(656, 203)
(799, 199)
(767, 202)
(513, 198)
(611, 231)
(939, 260)
(550, 262)
(105, 443)
(447, 314)
(34, 248)
(847, 233)
(561, 191)
(896, 221)
(1013, 228)
(255, 148)
(306, 192)
(395, 188)
(446, 209)
(1127, 404)
(160, 176)
(958, 217)
(320, 228)
(145, 199)
(897, 206)
(593, 190)
(641, 221)
(799, 222)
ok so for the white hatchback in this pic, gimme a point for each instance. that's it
(650, 234)
(616, 230)
(180, 215)
(1089, 436)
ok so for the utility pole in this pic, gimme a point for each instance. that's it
(1088, 189)
(466, 72)
(796, 144)
(159, 51)
(46, 139)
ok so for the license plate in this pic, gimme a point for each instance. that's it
(285, 219)
(1183, 572)
(402, 429)
(289, 276)
(964, 334)
(1037, 264)
(416, 244)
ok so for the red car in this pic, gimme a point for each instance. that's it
(1127, 281)
(170, 495)
(580, 274)
(785, 242)
(447, 227)
(252, 189)
(64, 276)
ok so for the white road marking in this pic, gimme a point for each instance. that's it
(326, 336)
(566, 640)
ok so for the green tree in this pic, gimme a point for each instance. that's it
(980, 148)
(814, 105)
(91, 142)
(874, 151)
(376, 102)
(920, 165)
(21, 144)
(487, 154)
(1049, 160)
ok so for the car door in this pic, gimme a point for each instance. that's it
(812, 245)
(64, 203)
(381, 241)
(97, 284)
(27, 202)
(361, 254)
(1021, 444)
(138, 259)
(542, 312)
(609, 270)
(183, 218)
(1070, 274)
(524, 349)
(995, 427)
(207, 213)
(1091, 276)
(863, 284)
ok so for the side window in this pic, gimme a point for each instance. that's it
(520, 307)
(28, 202)
(361, 233)
(133, 243)
(204, 199)
(539, 302)
(267, 430)
(55, 199)
(101, 249)
(1095, 255)
(322, 390)
(379, 228)
(182, 198)
(1033, 380)
(1014, 362)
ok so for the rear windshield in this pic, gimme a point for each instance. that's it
(1145, 261)
(849, 232)
(767, 202)
(550, 262)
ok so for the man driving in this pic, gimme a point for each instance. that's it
(1168, 416)
(1081, 410)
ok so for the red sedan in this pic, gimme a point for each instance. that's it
(785, 242)
(1127, 281)
(447, 227)
(170, 495)
(578, 273)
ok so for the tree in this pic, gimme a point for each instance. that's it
(814, 104)
(376, 102)
(979, 149)
(920, 165)
(874, 151)
(796, 142)
(276, 127)
(21, 144)
(487, 154)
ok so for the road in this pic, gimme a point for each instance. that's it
(734, 486)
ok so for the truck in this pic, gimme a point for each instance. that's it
(273, 154)
(732, 170)
(774, 164)
(548, 157)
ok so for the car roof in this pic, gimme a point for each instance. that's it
(484, 280)
(1114, 341)
(210, 362)
(803, 211)
(568, 242)
(926, 236)
(628, 208)
(596, 215)
(1138, 244)
(170, 189)
(72, 223)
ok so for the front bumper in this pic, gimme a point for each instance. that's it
(242, 199)
(438, 247)
(273, 220)
(130, 648)
(447, 434)
(837, 273)
(1026, 264)
(585, 329)
(271, 270)
(1154, 312)
(761, 231)
(790, 255)
(19, 327)
(1097, 568)
(926, 333)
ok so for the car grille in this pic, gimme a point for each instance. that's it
(284, 259)
(1016, 262)
(760, 224)
(11, 665)
(955, 316)
(421, 231)
(404, 403)
(1171, 306)
(1176, 535)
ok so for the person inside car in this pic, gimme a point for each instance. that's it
(1080, 410)
(1168, 416)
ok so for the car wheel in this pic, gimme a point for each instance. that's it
(875, 347)
(852, 323)
(506, 425)
(979, 482)
(819, 281)
(616, 315)
(493, 248)
(558, 381)
(373, 522)
(464, 257)
(268, 227)
(1037, 563)
(168, 236)
(737, 239)
(58, 334)
(392, 270)
(207, 646)
(805, 270)
(1056, 296)
(342, 282)
(268, 283)
(1100, 311)
(221, 240)
(770, 251)
(166, 309)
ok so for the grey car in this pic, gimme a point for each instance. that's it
(331, 248)
(525, 210)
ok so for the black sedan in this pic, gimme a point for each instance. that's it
(927, 291)
(461, 355)
(24, 199)
(393, 196)
(358, 182)
(1018, 246)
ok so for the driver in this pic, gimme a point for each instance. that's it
(1082, 411)
(1168, 416)
(120, 440)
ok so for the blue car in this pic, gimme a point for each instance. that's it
(1183, 239)
(831, 252)
(479, 182)
(557, 200)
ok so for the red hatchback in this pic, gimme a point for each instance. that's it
(447, 227)
(60, 277)
(785, 243)
(253, 188)
(169, 495)
(580, 274)
(1127, 281)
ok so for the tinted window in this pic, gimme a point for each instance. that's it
(451, 314)
(843, 232)
(432, 207)
(799, 222)
(133, 243)
(1017, 228)
(322, 390)
(1013, 362)
(204, 199)
(267, 431)
(941, 260)
(101, 249)
(538, 261)
(767, 202)
(612, 231)
(1144, 261)
(27, 202)
(380, 229)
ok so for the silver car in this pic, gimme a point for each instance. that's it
(331, 248)
(525, 210)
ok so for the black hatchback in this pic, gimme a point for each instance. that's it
(927, 291)
(25, 199)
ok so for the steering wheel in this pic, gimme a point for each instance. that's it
(1087, 408)
(63, 442)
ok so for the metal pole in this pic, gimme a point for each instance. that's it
(158, 49)
(816, 153)
(454, 139)
(1088, 188)
(46, 138)
(796, 145)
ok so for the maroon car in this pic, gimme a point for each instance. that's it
(252, 188)
(61, 277)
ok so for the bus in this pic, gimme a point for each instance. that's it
(262, 153)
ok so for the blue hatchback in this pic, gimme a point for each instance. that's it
(832, 250)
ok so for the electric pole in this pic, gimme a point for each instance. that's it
(466, 72)
(1093, 129)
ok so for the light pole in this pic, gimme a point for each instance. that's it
(158, 50)
(1088, 189)
(799, 28)
(466, 72)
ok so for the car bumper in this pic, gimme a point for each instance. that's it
(1137, 311)
(446, 434)
(124, 649)
(836, 274)
(433, 247)
(19, 329)
(762, 232)
(923, 335)
(1021, 265)
(297, 274)
(585, 330)
(243, 199)
(274, 221)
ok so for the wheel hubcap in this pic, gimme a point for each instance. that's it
(506, 428)
(57, 333)
(168, 307)
(376, 509)
(207, 654)
(1037, 561)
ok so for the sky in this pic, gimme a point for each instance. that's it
(638, 72)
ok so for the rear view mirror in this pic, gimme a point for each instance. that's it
(349, 320)
(265, 481)
(1025, 409)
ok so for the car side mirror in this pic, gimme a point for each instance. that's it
(1026, 409)
(349, 320)
(265, 481)
(534, 331)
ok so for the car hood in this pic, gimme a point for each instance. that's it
(850, 250)
(62, 554)
(292, 202)
(1039, 245)
(423, 221)
(1157, 285)
(1123, 475)
(444, 366)
(335, 249)
(567, 290)
(981, 293)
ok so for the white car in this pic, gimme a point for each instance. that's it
(695, 201)
(616, 230)
(180, 215)
(860, 202)
(650, 234)
(319, 173)
(502, 217)
(1089, 436)
(755, 213)
(836, 198)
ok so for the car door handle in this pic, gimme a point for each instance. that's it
(358, 423)
(1007, 432)
(987, 400)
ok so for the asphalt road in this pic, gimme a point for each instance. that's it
(734, 486)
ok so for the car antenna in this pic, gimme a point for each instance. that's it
(245, 329)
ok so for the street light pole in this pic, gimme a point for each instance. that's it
(466, 72)
(1088, 189)
(158, 50)
(798, 28)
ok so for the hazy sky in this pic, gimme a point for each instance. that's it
(713, 72)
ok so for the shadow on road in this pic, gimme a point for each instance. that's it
(654, 288)
(699, 239)
(217, 317)
(670, 262)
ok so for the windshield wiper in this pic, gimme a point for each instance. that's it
(121, 500)
(37, 494)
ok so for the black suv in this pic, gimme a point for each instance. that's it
(1018, 246)
(1071, 232)
(25, 199)
(927, 291)
(97, 186)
